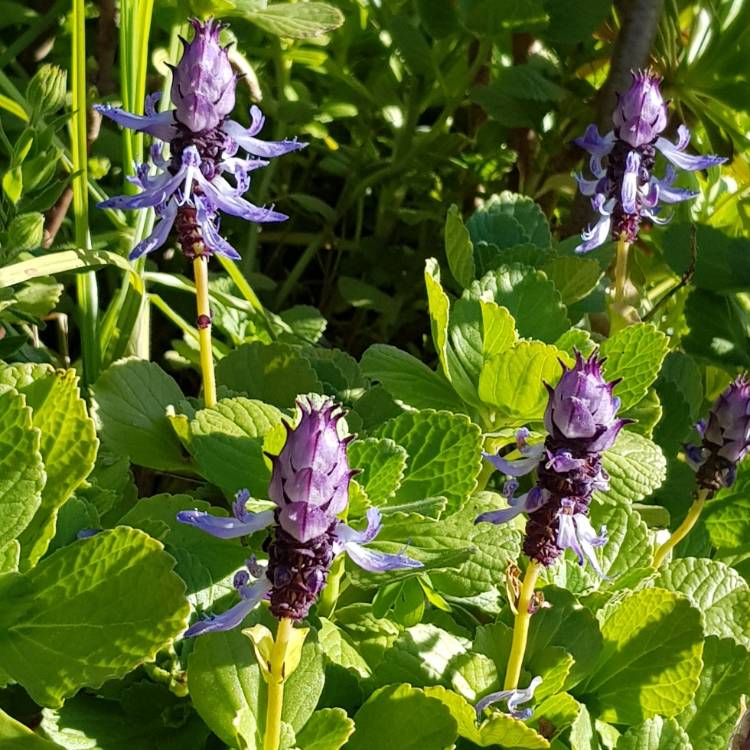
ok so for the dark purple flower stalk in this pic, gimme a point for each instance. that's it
(581, 423)
(310, 486)
(725, 438)
(189, 188)
(624, 191)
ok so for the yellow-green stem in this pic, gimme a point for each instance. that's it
(681, 531)
(200, 270)
(276, 685)
(621, 268)
(521, 627)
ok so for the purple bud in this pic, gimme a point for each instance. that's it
(641, 112)
(203, 85)
(581, 407)
(728, 425)
(310, 479)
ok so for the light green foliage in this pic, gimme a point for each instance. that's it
(227, 442)
(327, 729)
(636, 468)
(148, 717)
(710, 716)
(634, 354)
(716, 590)
(274, 373)
(655, 734)
(130, 405)
(68, 447)
(574, 278)
(498, 729)
(651, 659)
(513, 381)
(88, 613)
(530, 297)
(22, 474)
(382, 462)
(443, 454)
(404, 717)
(458, 248)
(408, 379)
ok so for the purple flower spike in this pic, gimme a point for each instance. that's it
(204, 83)
(641, 113)
(581, 421)
(513, 699)
(310, 486)
(726, 437)
(203, 176)
(623, 187)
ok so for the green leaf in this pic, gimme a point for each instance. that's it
(147, 717)
(422, 655)
(17, 736)
(408, 380)
(439, 307)
(634, 354)
(296, 20)
(68, 447)
(720, 265)
(22, 474)
(382, 463)
(498, 730)
(400, 716)
(575, 278)
(10, 555)
(339, 648)
(566, 28)
(575, 338)
(90, 612)
(716, 590)
(225, 688)
(568, 625)
(130, 404)
(526, 81)
(655, 734)
(636, 468)
(719, 329)
(327, 729)
(498, 329)
(651, 659)
(680, 389)
(205, 563)
(227, 442)
(444, 452)
(513, 381)
(274, 373)
(306, 322)
(458, 248)
(530, 297)
(727, 516)
(303, 688)
(487, 224)
(711, 715)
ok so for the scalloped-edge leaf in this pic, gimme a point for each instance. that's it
(90, 612)
(296, 20)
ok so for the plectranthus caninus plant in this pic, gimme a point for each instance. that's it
(190, 189)
(310, 487)
(581, 422)
(624, 189)
(725, 442)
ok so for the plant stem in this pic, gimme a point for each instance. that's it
(521, 627)
(86, 287)
(682, 530)
(200, 269)
(621, 269)
(276, 685)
